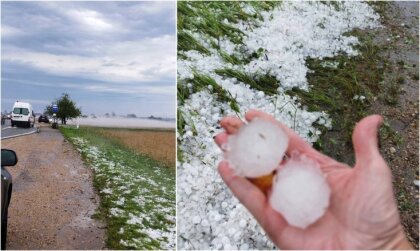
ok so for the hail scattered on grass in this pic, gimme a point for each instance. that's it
(234, 56)
(137, 200)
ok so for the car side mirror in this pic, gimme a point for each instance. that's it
(8, 157)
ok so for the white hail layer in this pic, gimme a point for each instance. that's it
(209, 217)
(104, 166)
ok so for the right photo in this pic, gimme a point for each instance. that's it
(297, 125)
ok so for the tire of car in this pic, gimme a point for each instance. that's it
(4, 229)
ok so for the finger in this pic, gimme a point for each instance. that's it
(365, 140)
(296, 143)
(246, 192)
(231, 124)
(221, 139)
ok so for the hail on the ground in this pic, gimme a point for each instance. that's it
(147, 220)
(209, 217)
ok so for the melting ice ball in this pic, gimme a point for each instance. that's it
(300, 191)
(257, 148)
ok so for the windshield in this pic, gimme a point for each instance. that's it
(23, 111)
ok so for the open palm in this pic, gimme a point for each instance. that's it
(362, 212)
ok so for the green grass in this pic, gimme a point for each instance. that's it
(137, 193)
(392, 89)
(386, 133)
(206, 18)
(210, 21)
(265, 83)
(333, 90)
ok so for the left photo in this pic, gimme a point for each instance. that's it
(88, 117)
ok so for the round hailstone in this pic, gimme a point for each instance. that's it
(300, 192)
(257, 149)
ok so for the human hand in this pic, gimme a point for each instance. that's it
(362, 213)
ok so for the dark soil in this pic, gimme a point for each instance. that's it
(401, 150)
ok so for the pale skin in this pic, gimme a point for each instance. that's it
(363, 212)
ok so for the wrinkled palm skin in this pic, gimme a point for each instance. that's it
(362, 214)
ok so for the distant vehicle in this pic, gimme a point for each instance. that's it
(8, 158)
(37, 115)
(43, 118)
(23, 115)
(9, 115)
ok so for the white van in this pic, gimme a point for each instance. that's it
(23, 115)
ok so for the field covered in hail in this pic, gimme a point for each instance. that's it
(289, 59)
(137, 193)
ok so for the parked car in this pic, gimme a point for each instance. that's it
(8, 158)
(43, 118)
(23, 115)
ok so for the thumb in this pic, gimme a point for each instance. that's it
(365, 140)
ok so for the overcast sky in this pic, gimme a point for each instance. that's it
(109, 56)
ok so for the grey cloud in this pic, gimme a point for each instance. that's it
(50, 48)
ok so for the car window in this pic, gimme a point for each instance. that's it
(23, 111)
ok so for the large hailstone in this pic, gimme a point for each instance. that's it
(257, 148)
(300, 192)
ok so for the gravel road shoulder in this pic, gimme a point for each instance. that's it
(400, 42)
(53, 199)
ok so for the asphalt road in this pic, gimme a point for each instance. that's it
(8, 132)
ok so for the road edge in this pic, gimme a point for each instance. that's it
(23, 134)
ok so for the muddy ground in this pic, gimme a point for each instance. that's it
(53, 199)
(402, 151)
